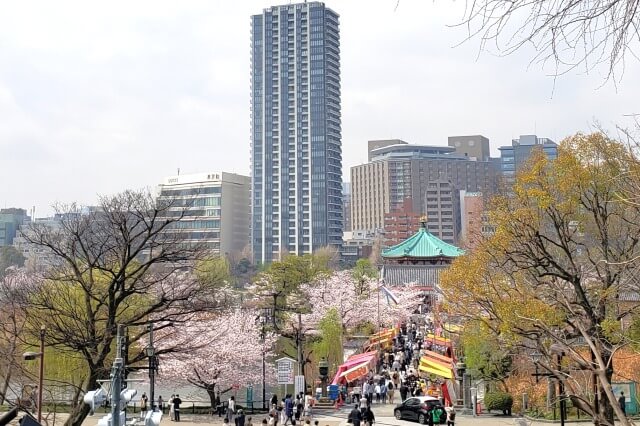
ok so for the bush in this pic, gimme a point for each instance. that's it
(501, 401)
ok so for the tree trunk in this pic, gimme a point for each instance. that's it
(80, 411)
(211, 391)
(5, 386)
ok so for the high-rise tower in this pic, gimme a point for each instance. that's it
(296, 142)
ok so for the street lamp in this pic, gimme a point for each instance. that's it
(30, 356)
(558, 350)
(153, 364)
(264, 318)
(461, 369)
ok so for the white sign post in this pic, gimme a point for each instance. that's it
(299, 385)
(284, 368)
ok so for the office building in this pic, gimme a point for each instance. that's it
(400, 224)
(473, 213)
(346, 206)
(10, 221)
(401, 171)
(296, 142)
(213, 206)
(513, 158)
(475, 147)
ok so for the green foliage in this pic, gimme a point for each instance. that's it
(362, 272)
(485, 355)
(9, 256)
(214, 272)
(330, 344)
(278, 287)
(498, 401)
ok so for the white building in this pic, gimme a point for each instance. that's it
(214, 207)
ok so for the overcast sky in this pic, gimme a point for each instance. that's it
(98, 97)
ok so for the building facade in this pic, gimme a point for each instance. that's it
(513, 158)
(296, 135)
(401, 171)
(346, 206)
(10, 221)
(475, 147)
(213, 206)
(473, 214)
(400, 224)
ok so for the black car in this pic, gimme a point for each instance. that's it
(416, 409)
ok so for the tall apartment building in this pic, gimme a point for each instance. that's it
(402, 170)
(214, 207)
(296, 142)
(513, 157)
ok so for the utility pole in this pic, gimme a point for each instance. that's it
(41, 373)
(116, 379)
(300, 360)
(152, 368)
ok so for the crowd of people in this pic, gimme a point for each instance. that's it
(397, 371)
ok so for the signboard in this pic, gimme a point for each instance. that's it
(250, 396)
(284, 367)
(299, 388)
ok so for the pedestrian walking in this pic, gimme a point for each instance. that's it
(376, 390)
(383, 392)
(309, 402)
(368, 417)
(231, 409)
(451, 416)
(161, 404)
(176, 407)
(172, 413)
(144, 400)
(288, 410)
(622, 403)
(355, 416)
(239, 418)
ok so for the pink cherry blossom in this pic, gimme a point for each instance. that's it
(220, 350)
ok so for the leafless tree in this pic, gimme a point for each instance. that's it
(125, 262)
(571, 34)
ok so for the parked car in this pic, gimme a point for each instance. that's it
(415, 409)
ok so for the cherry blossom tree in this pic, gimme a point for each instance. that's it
(218, 351)
(356, 306)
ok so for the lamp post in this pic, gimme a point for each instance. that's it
(264, 318)
(323, 369)
(153, 364)
(557, 350)
(29, 356)
(461, 369)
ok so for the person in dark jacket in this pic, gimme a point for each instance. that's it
(403, 391)
(288, 410)
(355, 416)
(239, 418)
(368, 417)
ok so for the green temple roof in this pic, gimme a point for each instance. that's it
(422, 245)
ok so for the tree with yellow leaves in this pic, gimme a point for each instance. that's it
(564, 253)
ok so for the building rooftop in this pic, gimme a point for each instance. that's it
(423, 245)
(414, 151)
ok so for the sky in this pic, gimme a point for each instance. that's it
(99, 97)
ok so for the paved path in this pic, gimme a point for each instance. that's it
(384, 417)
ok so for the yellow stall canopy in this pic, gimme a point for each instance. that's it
(434, 366)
